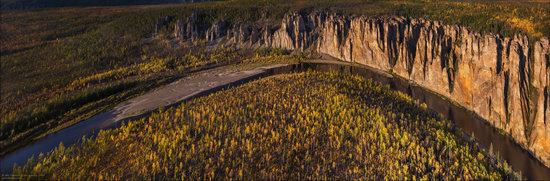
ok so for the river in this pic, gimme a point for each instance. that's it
(469, 122)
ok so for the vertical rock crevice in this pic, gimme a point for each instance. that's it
(546, 104)
(414, 31)
(499, 51)
(507, 97)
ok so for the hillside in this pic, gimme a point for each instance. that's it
(304, 126)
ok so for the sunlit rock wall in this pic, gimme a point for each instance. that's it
(505, 80)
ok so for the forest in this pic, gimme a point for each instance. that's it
(308, 125)
(63, 62)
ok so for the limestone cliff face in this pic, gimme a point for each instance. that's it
(506, 80)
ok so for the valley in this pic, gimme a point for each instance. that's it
(63, 67)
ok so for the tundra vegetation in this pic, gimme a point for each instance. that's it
(61, 66)
(308, 125)
(96, 93)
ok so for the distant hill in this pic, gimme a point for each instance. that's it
(35, 4)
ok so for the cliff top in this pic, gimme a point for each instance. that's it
(503, 17)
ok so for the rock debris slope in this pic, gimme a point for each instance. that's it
(506, 80)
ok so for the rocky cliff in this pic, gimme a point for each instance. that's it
(506, 80)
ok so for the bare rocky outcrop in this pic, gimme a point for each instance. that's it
(505, 80)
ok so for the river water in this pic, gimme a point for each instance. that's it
(467, 121)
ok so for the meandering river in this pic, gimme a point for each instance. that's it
(467, 121)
